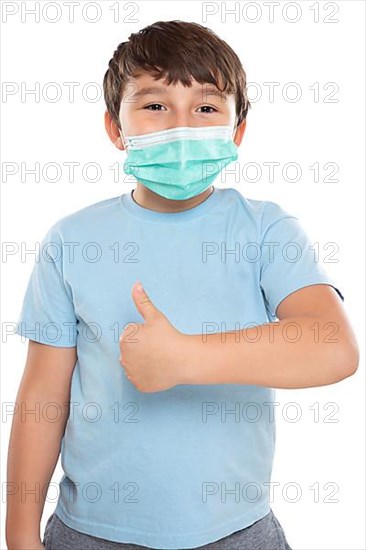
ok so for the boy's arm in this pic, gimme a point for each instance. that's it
(312, 345)
(35, 440)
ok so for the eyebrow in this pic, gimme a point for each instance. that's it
(159, 90)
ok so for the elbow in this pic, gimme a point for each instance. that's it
(348, 361)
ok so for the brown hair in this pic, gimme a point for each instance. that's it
(178, 50)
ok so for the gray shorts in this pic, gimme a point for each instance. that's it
(264, 534)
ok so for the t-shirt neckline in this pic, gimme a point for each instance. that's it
(128, 203)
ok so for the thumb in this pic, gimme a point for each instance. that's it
(143, 303)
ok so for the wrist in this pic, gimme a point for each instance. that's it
(190, 352)
(204, 359)
(23, 537)
(24, 543)
(183, 367)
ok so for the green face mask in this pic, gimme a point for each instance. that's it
(181, 162)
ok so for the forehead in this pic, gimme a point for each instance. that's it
(143, 84)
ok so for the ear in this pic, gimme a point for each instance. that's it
(239, 134)
(113, 131)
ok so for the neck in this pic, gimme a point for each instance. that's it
(148, 199)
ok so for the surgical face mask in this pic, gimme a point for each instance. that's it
(181, 162)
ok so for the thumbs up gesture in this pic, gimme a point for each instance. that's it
(153, 354)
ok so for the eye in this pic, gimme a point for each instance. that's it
(207, 107)
(154, 105)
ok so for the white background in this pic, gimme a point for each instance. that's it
(324, 459)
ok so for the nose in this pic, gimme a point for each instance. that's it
(182, 117)
(179, 121)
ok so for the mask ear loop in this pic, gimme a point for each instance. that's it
(123, 140)
(235, 128)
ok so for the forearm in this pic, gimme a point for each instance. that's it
(34, 448)
(296, 352)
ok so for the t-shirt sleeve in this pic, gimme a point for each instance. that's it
(288, 261)
(47, 314)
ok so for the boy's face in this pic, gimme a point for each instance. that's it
(149, 105)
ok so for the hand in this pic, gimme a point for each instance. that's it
(152, 353)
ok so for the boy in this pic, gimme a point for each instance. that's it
(168, 441)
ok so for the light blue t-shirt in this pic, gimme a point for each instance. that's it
(190, 465)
